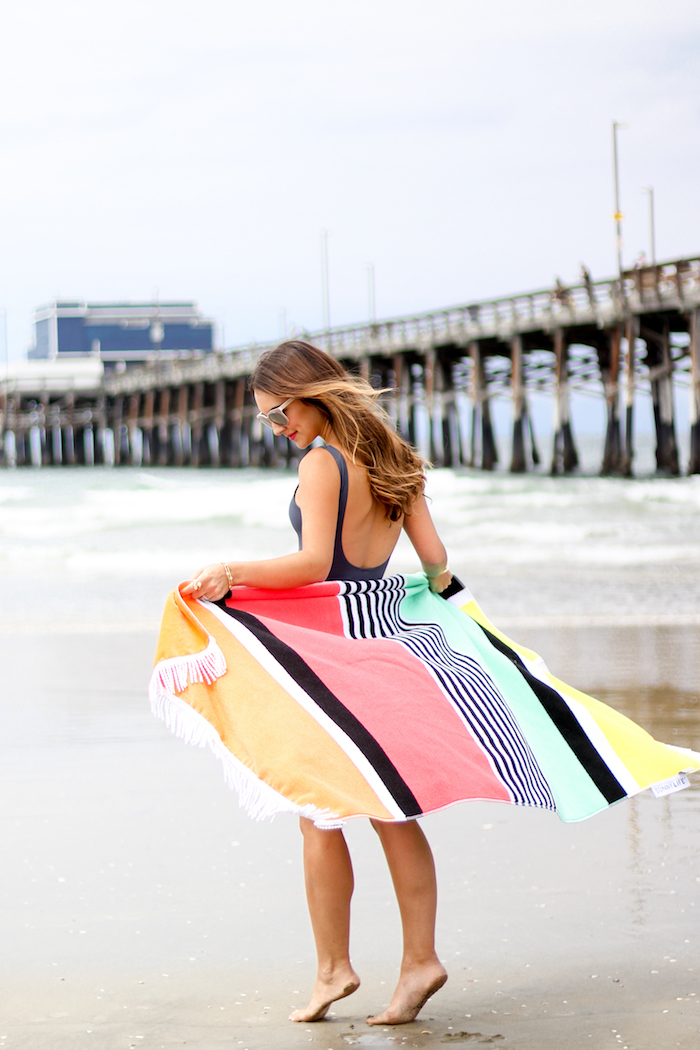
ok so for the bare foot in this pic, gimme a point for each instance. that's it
(326, 992)
(412, 993)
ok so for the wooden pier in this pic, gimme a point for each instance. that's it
(443, 370)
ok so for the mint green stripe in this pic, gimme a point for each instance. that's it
(575, 793)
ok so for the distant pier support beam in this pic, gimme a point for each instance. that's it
(694, 461)
(627, 453)
(395, 395)
(432, 384)
(163, 456)
(196, 426)
(10, 448)
(45, 438)
(149, 400)
(481, 413)
(216, 434)
(518, 463)
(405, 420)
(180, 431)
(88, 457)
(56, 445)
(450, 425)
(69, 432)
(35, 457)
(135, 443)
(661, 373)
(609, 357)
(117, 409)
(564, 454)
(235, 450)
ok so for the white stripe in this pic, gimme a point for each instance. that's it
(461, 598)
(258, 651)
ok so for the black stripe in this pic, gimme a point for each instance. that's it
(568, 725)
(454, 587)
(309, 681)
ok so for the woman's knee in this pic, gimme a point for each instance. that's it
(403, 834)
(320, 836)
(389, 830)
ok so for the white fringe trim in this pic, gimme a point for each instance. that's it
(176, 673)
(256, 797)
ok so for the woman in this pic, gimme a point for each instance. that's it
(355, 495)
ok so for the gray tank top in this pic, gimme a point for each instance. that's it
(341, 569)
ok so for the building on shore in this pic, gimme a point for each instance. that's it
(121, 334)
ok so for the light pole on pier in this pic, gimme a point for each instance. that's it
(618, 216)
(652, 224)
(4, 343)
(370, 293)
(324, 279)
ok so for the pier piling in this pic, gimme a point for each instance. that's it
(564, 454)
(694, 462)
(517, 459)
(610, 373)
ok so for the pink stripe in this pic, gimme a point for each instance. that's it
(293, 607)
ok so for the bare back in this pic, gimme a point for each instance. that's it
(368, 536)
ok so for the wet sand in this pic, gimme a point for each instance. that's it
(141, 908)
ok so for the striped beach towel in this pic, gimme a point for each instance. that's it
(381, 699)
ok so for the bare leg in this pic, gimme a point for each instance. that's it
(329, 885)
(413, 873)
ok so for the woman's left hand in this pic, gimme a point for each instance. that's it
(210, 583)
(439, 583)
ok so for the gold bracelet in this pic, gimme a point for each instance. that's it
(229, 577)
(434, 576)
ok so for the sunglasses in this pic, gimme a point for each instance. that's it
(276, 416)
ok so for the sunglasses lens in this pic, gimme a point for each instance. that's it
(276, 417)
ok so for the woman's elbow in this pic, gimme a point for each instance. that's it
(319, 567)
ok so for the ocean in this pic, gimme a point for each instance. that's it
(103, 546)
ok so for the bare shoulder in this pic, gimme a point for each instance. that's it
(318, 467)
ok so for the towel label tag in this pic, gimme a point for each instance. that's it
(667, 787)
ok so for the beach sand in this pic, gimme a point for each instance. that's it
(141, 908)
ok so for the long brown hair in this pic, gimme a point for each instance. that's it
(362, 428)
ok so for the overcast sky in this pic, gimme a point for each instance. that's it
(197, 150)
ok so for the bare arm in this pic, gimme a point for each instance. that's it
(422, 533)
(317, 498)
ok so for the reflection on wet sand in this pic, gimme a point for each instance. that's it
(665, 711)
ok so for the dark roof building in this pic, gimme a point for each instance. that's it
(121, 333)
